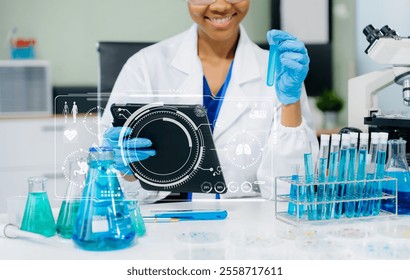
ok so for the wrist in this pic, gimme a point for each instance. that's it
(291, 114)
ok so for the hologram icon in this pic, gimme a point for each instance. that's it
(74, 111)
(65, 111)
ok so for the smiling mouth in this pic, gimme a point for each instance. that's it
(220, 22)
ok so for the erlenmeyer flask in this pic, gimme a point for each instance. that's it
(103, 221)
(77, 169)
(38, 217)
(398, 168)
(136, 217)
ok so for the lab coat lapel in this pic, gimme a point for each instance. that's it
(186, 60)
(237, 101)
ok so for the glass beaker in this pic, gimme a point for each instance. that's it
(77, 169)
(398, 168)
(103, 221)
(38, 217)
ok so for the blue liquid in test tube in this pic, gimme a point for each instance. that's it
(342, 174)
(310, 189)
(361, 172)
(333, 166)
(370, 175)
(272, 63)
(351, 175)
(322, 167)
(380, 165)
(294, 196)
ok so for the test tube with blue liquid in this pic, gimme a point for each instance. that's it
(342, 174)
(322, 168)
(310, 189)
(351, 175)
(361, 172)
(332, 174)
(370, 175)
(296, 194)
(380, 165)
(272, 64)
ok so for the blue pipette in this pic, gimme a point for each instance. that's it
(272, 63)
(333, 166)
(322, 167)
(351, 175)
(361, 172)
(342, 174)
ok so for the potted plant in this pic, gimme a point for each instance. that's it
(330, 104)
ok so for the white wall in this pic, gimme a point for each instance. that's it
(67, 31)
(396, 14)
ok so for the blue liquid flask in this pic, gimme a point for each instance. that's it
(38, 217)
(103, 221)
(272, 64)
(398, 168)
(69, 208)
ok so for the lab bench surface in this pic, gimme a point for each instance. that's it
(249, 232)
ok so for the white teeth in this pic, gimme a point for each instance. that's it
(221, 20)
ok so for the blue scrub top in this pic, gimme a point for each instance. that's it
(213, 105)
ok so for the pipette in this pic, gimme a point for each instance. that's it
(272, 63)
(322, 167)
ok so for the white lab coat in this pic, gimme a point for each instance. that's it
(173, 64)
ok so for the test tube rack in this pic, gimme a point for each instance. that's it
(301, 204)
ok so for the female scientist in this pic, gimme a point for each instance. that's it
(216, 60)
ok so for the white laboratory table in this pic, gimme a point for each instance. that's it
(249, 232)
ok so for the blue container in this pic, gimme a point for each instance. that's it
(23, 53)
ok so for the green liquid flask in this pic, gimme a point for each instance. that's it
(38, 217)
(69, 208)
(103, 221)
(136, 217)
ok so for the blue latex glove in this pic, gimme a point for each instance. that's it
(292, 67)
(134, 149)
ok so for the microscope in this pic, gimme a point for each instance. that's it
(386, 47)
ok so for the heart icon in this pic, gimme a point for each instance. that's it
(70, 134)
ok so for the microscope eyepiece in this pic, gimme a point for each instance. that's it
(388, 32)
(371, 33)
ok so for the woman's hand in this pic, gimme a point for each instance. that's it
(292, 65)
(134, 149)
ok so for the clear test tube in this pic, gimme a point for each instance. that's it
(332, 176)
(380, 165)
(361, 171)
(272, 64)
(370, 174)
(351, 174)
(342, 174)
(310, 189)
(321, 174)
